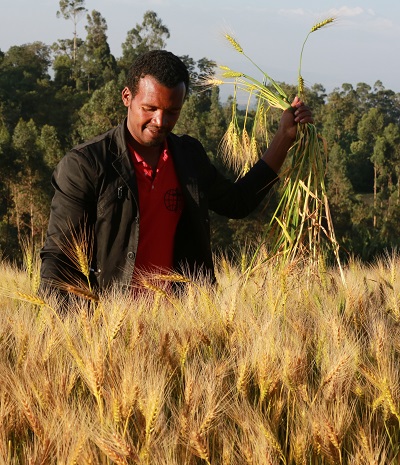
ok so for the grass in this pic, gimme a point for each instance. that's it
(286, 366)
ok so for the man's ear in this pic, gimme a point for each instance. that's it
(126, 96)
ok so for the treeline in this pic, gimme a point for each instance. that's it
(55, 96)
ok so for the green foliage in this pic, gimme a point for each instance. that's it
(6, 159)
(150, 35)
(71, 9)
(43, 114)
(50, 146)
(99, 65)
(63, 68)
(25, 82)
(102, 112)
(30, 198)
(366, 139)
(202, 115)
(8, 244)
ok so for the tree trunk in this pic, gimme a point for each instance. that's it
(375, 176)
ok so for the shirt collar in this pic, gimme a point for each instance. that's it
(164, 155)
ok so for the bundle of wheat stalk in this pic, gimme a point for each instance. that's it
(302, 216)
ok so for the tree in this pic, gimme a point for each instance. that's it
(66, 72)
(202, 112)
(340, 117)
(386, 101)
(25, 89)
(103, 111)
(150, 35)
(99, 64)
(190, 120)
(342, 198)
(215, 127)
(369, 129)
(190, 64)
(72, 9)
(31, 205)
(7, 169)
(386, 160)
(50, 146)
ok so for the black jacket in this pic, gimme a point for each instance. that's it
(95, 190)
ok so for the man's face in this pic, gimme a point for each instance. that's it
(153, 111)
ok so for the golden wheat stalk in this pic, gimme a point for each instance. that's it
(80, 291)
(44, 397)
(30, 298)
(199, 446)
(77, 246)
(151, 414)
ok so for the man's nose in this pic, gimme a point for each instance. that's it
(160, 118)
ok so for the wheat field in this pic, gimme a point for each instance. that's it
(285, 366)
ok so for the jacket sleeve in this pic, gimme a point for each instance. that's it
(72, 214)
(238, 199)
(226, 197)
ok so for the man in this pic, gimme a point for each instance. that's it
(142, 194)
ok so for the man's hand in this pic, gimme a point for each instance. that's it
(286, 134)
(297, 113)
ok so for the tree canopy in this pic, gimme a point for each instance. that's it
(55, 96)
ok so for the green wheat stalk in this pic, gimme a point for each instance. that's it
(302, 215)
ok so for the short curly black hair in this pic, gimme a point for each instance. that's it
(168, 69)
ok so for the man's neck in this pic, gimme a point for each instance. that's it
(150, 154)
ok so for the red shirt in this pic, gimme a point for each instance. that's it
(160, 208)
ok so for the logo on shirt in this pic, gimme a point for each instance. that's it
(173, 200)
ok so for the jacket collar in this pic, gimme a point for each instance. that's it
(122, 163)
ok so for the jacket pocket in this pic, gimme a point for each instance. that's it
(111, 198)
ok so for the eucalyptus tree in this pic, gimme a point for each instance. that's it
(66, 72)
(387, 101)
(99, 65)
(339, 119)
(341, 116)
(216, 124)
(369, 130)
(151, 34)
(202, 115)
(385, 158)
(73, 10)
(50, 147)
(191, 121)
(387, 148)
(203, 69)
(25, 88)
(30, 211)
(191, 65)
(103, 111)
(7, 170)
(361, 128)
(26, 94)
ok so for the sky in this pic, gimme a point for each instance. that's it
(361, 45)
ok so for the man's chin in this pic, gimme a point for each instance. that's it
(153, 142)
(155, 134)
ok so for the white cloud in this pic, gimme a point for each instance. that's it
(292, 12)
(381, 25)
(362, 19)
(345, 11)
